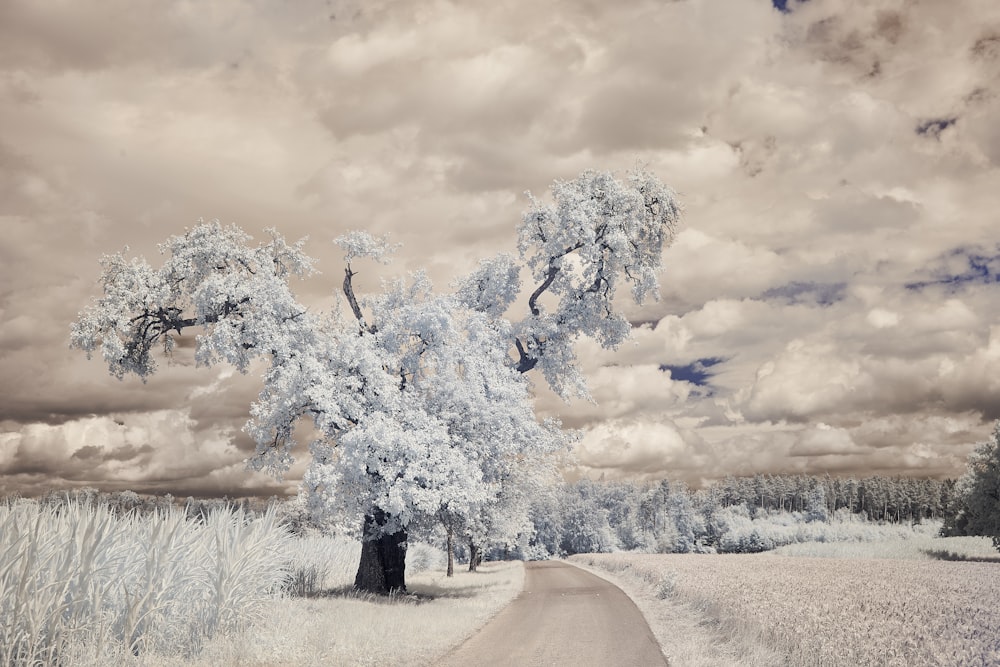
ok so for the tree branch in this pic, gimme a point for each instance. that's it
(353, 300)
(525, 363)
(550, 276)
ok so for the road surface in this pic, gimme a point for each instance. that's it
(564, 616)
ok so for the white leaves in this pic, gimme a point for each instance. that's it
(212, 278)
(596, 233)
(418, 407)
(362, 244)
(492, 287)
(125, 340)
(977, 492)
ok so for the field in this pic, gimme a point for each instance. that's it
(83, 586)
(769, 609)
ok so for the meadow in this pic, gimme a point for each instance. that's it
(83, 585)
(893, 603)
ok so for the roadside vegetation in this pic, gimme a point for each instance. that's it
(876, 608)
(90, 580)
(855, 573)
(80, 574)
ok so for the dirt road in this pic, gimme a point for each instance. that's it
(564, 616)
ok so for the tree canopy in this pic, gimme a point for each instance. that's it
(976, 503)
(420, 399)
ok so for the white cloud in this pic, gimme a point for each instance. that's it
(827, 158)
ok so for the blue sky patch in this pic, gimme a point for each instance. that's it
(795, 293)
(697, 372)
(934, 127)
(782, 5)
(973, 265)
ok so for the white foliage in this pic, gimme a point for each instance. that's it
(421, 410)
(362, 244)
(597, 233)
(492, 287)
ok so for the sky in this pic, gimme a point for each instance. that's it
(830, 303)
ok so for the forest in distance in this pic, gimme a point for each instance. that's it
(736, 514)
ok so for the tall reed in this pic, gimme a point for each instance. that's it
(78, 575)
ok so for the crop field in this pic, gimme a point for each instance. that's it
(829, 611)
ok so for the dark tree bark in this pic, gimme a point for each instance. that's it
(382, 569)
(451, 550)
(475, 556)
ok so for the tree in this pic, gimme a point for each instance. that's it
(816, 509)
(975, 506)
(504, 522)
(415, 395)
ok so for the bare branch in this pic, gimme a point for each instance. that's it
(353, 300)
(550, 276)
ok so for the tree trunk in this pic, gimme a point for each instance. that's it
(382, 569)
(451, 550)
(475, 558)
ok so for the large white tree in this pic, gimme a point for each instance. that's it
(420, 399)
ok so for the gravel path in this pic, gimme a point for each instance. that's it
(564, 616)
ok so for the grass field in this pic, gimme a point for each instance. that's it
(344, 629)
(886, 605)
(81, 585)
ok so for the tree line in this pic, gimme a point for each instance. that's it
(735, 514)
(877, 498)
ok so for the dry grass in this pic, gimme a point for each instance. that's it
(914, 548)
(320, 620)
(82, 587)
(343, 628)
(686, 637)
(828, 611)
(79, 580)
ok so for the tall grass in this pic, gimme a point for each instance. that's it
(340, 627)
(79, 578)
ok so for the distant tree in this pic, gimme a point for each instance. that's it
(975, 508)
(124, 501)
(586, 529)
(546, 512)
(816, 509)
(686, 521)
(413, 394)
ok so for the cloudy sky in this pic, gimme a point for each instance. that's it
(830, 304)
